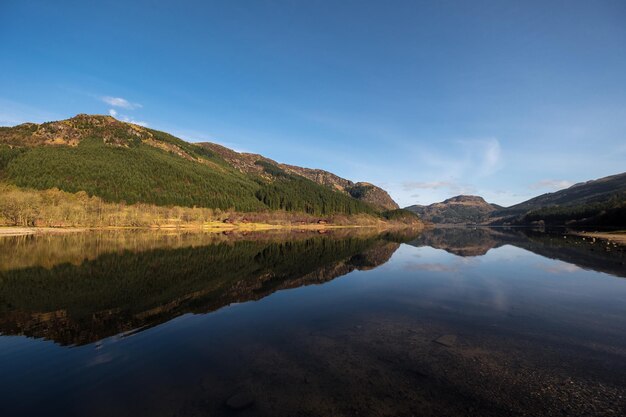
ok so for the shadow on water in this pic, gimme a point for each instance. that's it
(454, 322)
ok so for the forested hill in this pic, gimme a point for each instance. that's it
(257, 164)
(123, 162)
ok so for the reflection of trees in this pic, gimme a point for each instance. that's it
(81, 302)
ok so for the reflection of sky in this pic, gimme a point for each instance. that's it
(507, 291)
(557, 267)
(505, 279)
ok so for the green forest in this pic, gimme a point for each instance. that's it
(611, 212)
(293, 193)
(140, 173)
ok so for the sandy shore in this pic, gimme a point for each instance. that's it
(613, 237)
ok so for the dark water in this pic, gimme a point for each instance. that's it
(448, 322)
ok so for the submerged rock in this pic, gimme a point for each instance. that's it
(447, 340)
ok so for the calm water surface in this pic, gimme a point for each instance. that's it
(487, 322)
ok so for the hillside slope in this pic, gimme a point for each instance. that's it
(249, 163)
(606, 191)
(122, 162)
(600, 202)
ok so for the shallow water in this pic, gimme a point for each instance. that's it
(448, 322)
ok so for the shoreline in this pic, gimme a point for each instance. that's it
(212, 227)
(611, 237)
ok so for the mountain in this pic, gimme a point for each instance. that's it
(461, 209)
(597, 202)
(250, 163)
(126, 163)
(600, 202)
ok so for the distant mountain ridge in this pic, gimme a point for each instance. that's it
(456, 210)
(600, 202)
(589, 192)
(124, 162)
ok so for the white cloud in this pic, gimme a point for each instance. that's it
(133, 121)
(120, 102)
(551, 184)
(125, 104)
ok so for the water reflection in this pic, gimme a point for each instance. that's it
(86, 287)
(553, 244)
(451, 322)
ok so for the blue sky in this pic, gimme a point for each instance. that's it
(427, 99)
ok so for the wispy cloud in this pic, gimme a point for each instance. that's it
(558, 267)
(431, 267)
(127, 119)
(433, 185)
(133, 121)
(492, 156)
(450, 186)
(483, 156)
(551, 184)
(124, 104)
(120, 102)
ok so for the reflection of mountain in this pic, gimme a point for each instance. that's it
(571, 249)
(82, 302)
(459, 241)
(80, 289)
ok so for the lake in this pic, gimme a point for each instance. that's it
(446, 322)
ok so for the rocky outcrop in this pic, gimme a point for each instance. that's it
(71, 132)
(248, 163)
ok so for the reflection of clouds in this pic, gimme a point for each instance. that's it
(100, 359)
(432, 267)
(467, 261)
(558, 268)
(455, 266)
